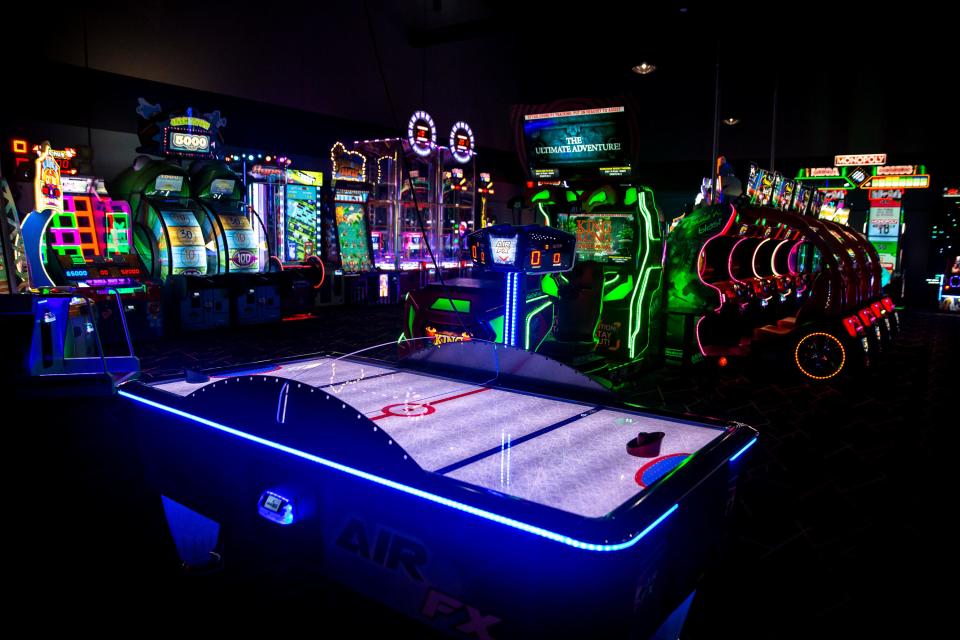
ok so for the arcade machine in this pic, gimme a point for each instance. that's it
(81, 238)
(57, 322)
(425, 475)
(301, 229)
(254, 297)
(183, 242)
(13, 267)
(345, 234)
(734, 287)
(457, 199)
(422, 203)
(485, 216)
(604, 313)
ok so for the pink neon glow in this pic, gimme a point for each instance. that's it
(773, 258)
(753, 262)
(726, 228)
(792, 258)
(730, 261)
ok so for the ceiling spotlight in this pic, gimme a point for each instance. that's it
(731, 121)
(644, 68)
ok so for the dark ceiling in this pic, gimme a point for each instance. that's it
(845, 82)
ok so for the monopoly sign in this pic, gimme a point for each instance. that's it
(866, 159)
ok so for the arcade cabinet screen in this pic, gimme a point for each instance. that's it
(301, 221)
(222, 187)
(352, 228)
(577, 144)
(604, 238)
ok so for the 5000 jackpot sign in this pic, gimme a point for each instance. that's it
(565, 141)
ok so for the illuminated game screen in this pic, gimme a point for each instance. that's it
(601, 238)
(189, 256)
(301, 222)
(352, 229)
(590, 142)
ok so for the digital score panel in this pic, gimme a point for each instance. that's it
(530, 249)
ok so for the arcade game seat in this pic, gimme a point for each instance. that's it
(578, 306)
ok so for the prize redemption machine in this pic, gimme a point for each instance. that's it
(85, 241)
(294, 206)
(71, 322)
(602, 316)
(764, 274)
(204, 259)
(254, 290)
(345, 228)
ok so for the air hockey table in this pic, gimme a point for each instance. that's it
(449, 486)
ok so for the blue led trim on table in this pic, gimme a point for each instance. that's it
(745, 447)
(480, 513)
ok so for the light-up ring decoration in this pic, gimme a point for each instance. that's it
(419, 122)
(461, 142)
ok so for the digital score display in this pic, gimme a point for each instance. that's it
(531, 249)
(187, 143)
(421, 133)
(461, 142)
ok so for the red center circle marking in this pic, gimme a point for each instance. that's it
(408, 410)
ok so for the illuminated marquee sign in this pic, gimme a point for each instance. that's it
(867, 159)
(189, 121)
(187, 142)
(823, 172)
(445, 337)
(421, 133)
(47, 190)
(898, 170)
(265, 171)
(461, 142)
(347, 165)
(897, 182)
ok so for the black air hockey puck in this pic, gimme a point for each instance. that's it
(645, 445)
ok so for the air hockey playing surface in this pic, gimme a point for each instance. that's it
(559, 453)
(471, 471)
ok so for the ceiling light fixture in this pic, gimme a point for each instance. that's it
(731, 121)
(644, 68)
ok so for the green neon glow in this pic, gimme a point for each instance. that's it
(401, 338)
(497, 325)
(572, 196)
(597, 198)
(631, 196)
(410, 322)
(607, 283)
(620, 291)
(548, 285)
(530, 316)
(540, 195)
(451, 304)
(653, 233)
(545, 214)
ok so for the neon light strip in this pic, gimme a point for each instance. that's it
(506, 309)
(726, 228)
(453, 504)
(730, 261)
(745, 447)
(773, 257)
(753, 262)
(526, 344)
(513, 317)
